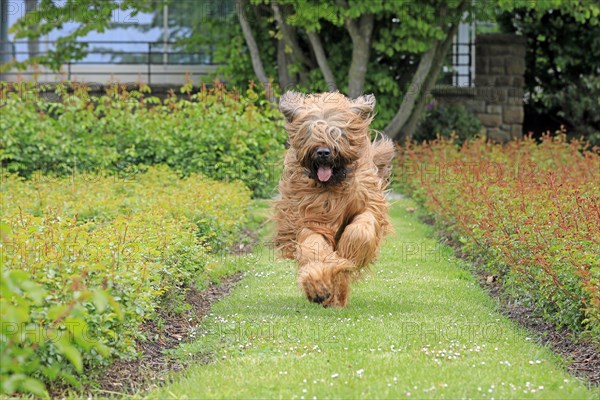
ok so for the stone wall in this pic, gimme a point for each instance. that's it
(497, 98)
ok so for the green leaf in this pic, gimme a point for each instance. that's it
(57, 311)
(34, 291)
(4, 230)
(70, 379)
(18, 277)
(52, 371)
(34, 386)
(100, 300)
(10, 384)
(102, 349)
(70, 352)
(116, 307)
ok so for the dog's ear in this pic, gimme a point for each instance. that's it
(290, 103)
(363, 105)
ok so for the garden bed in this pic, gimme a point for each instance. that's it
(151, 367)
(88, 263)
(528, 212)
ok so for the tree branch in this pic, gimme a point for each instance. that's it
(290, 38)
(438, 61)
(361, 30)
(366, 26)
(412, 93)
(403, 125)
(251, 43)
(285, 80)
(349, 23)
(317, 46)
(360, 33)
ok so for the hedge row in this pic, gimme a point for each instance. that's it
(87, 259)
(529, 211)
(222, 135)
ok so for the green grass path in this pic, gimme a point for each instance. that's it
(419, 326)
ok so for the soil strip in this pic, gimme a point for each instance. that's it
(151, 368)
(582, 357)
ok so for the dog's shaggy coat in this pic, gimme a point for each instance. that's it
(332, 213)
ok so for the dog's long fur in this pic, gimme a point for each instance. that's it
(332, 228)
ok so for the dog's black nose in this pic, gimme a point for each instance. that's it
(320, 298)
(323, 152)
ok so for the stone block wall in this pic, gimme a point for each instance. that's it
(497, 98)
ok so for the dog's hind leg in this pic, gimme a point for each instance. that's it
(321, 273)
(360, 240)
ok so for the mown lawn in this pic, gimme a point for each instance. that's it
(419, 326)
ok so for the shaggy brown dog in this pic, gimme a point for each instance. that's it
(332, 214)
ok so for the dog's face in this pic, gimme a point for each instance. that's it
(328, 132)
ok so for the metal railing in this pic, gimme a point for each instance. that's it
(462, 56)
(143, 54)
(149, 54)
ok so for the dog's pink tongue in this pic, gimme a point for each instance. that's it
(324, 173)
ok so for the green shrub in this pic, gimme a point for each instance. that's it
(98, 255)
(448, 120)
(561, 67)
(528, 210)
(578, 102)
(221, 135)
(26, 339)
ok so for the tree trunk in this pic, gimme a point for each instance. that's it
(290, 38)
(361, 49)
(257, 64)
(408, 102)
(360, 32)
(358, 69)
(438, 61)
(5, 49)
(33, 45)
(423, 81)
(285, 80)
(317, 46)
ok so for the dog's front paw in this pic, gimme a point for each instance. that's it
(315, 283)
(325, 285)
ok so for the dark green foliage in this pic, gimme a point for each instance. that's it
(448, 120)
(579, 102)
(563, 59)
